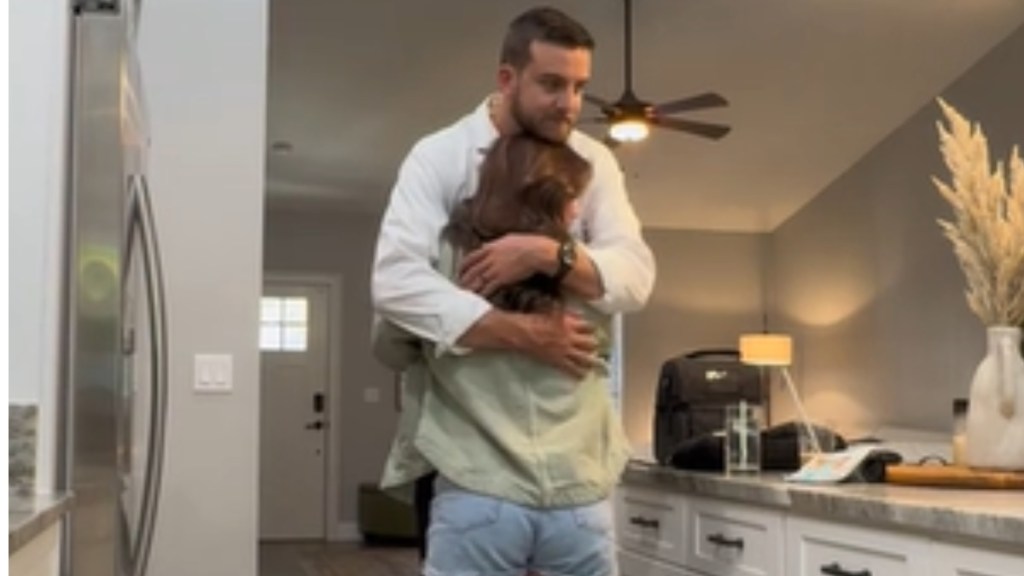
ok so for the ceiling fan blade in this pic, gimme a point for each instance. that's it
(713, 131)
(605, 106)
(705, 100)
(594, 120)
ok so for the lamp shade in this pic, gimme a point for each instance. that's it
(766, 349)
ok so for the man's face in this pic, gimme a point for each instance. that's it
(547, 94)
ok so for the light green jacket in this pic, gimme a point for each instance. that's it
(503, 424)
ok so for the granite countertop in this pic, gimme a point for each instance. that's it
(29, 515)
(994, 517)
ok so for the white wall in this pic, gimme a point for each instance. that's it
(867, 283)
(204, 70)
(38, 116)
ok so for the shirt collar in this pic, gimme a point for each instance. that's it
(483, 132)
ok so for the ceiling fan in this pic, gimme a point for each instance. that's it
(630, 117)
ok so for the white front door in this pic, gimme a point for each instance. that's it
(293, 410)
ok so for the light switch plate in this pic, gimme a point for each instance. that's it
(213, 373)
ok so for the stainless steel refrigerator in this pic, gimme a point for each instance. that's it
(115, 362)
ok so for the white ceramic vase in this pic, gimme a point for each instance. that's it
(995, 418)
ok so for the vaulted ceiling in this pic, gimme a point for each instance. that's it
(813, 86)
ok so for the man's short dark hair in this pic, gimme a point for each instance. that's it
(543, 24)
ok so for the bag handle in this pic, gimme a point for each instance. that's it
(730, 352)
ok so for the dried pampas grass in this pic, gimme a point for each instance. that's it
(987, 230)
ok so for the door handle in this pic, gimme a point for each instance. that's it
(834, 569)
(316, 425)
(722, 540)
(644, 522)
(142, 223)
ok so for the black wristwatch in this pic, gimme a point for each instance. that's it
(566, 259)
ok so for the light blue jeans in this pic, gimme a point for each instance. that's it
(476, 535)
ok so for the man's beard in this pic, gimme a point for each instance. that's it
(544, 127)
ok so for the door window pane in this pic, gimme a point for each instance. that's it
(283, 324)
(270, 337)
(295, 338)
(295, 310)
(270, 310)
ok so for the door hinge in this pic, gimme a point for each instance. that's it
(96, 6)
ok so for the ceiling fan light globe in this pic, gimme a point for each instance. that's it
(629, 131)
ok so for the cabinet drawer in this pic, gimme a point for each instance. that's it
(734, 540)
(650, 523)
(632, 564)
(823, 549)
(953, 560)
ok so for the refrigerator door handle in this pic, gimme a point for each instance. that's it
(141, 222)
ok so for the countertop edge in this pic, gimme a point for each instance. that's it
(854, 503)
(29, 516)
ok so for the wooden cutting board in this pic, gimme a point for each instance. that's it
(953, 477)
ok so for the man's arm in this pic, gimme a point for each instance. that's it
(613, 240)
(405, 286)
(614, 270)
(410, 292)
(515, 257)
(562, 340)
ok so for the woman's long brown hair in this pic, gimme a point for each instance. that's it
(526, 185)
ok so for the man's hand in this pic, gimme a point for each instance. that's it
(560, 339)
(504, 261)
(563, 340)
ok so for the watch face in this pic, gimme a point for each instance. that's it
(567, 253)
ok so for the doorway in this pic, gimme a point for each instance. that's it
(298, 327)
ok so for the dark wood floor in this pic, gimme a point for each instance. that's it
(336, 559)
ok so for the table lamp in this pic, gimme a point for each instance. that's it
(777, 350)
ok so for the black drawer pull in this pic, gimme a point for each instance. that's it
(721, 540)
(644, 522)
(834, 569)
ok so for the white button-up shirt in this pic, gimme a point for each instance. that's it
(441, 170)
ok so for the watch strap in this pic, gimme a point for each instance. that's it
(566, 259)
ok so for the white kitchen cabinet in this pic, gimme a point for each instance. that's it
(953, 560)
(632, 564)
(728, 539)
(816, 548)
(651, 523)
(673, 532)
(40, 556)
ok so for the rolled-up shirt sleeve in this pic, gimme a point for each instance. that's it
(405, 286)
(613, 239)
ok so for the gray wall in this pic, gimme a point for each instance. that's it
(866, 282)
(708, 291)
(323, 241)
(204, 69)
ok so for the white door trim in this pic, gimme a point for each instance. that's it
(334, 283)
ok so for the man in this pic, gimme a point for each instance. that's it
(544, 67)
